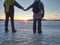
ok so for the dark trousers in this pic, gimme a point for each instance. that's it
(11, 15)
(39, 25)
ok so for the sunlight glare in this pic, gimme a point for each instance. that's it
(25, 19)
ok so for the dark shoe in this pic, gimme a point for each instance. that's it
(40, 31)
(34, 32)
(13, 31)
(6, 30)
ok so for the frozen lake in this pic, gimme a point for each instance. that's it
(24, 35)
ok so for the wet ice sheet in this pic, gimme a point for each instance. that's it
(28, 38)
(25, 36)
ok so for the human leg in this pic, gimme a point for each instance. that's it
(12, 23)
(34, 26)
(6, 22)
(39, 26)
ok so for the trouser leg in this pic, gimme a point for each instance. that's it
(34, 26)
(6, 22)
(12, 23)
(39, 26)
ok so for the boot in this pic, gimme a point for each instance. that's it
(6, 30)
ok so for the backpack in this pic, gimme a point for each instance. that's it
(36, 7)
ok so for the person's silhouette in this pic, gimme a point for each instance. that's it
(9, 12)
(38, 14)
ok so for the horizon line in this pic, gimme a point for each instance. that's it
(31, 20)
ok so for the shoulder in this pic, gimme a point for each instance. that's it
(41, 3)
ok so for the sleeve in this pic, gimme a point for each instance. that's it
(17, 5)
(30, 7)
(42, 8)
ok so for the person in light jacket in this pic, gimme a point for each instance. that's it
(9, 12)
(38, 14)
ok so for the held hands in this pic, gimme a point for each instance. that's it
(24, 9)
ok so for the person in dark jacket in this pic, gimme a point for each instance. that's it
(38, 14)
(9, 12)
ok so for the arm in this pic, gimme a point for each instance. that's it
(19, 6)
(29, 7)
(42, 7)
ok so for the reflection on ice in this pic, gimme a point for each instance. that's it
(30, 39)
(25, 36)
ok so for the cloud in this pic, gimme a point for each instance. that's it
(57, 12)
(55, 16)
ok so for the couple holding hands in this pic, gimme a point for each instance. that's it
(37, 9)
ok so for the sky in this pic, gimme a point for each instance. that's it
(52, 10)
